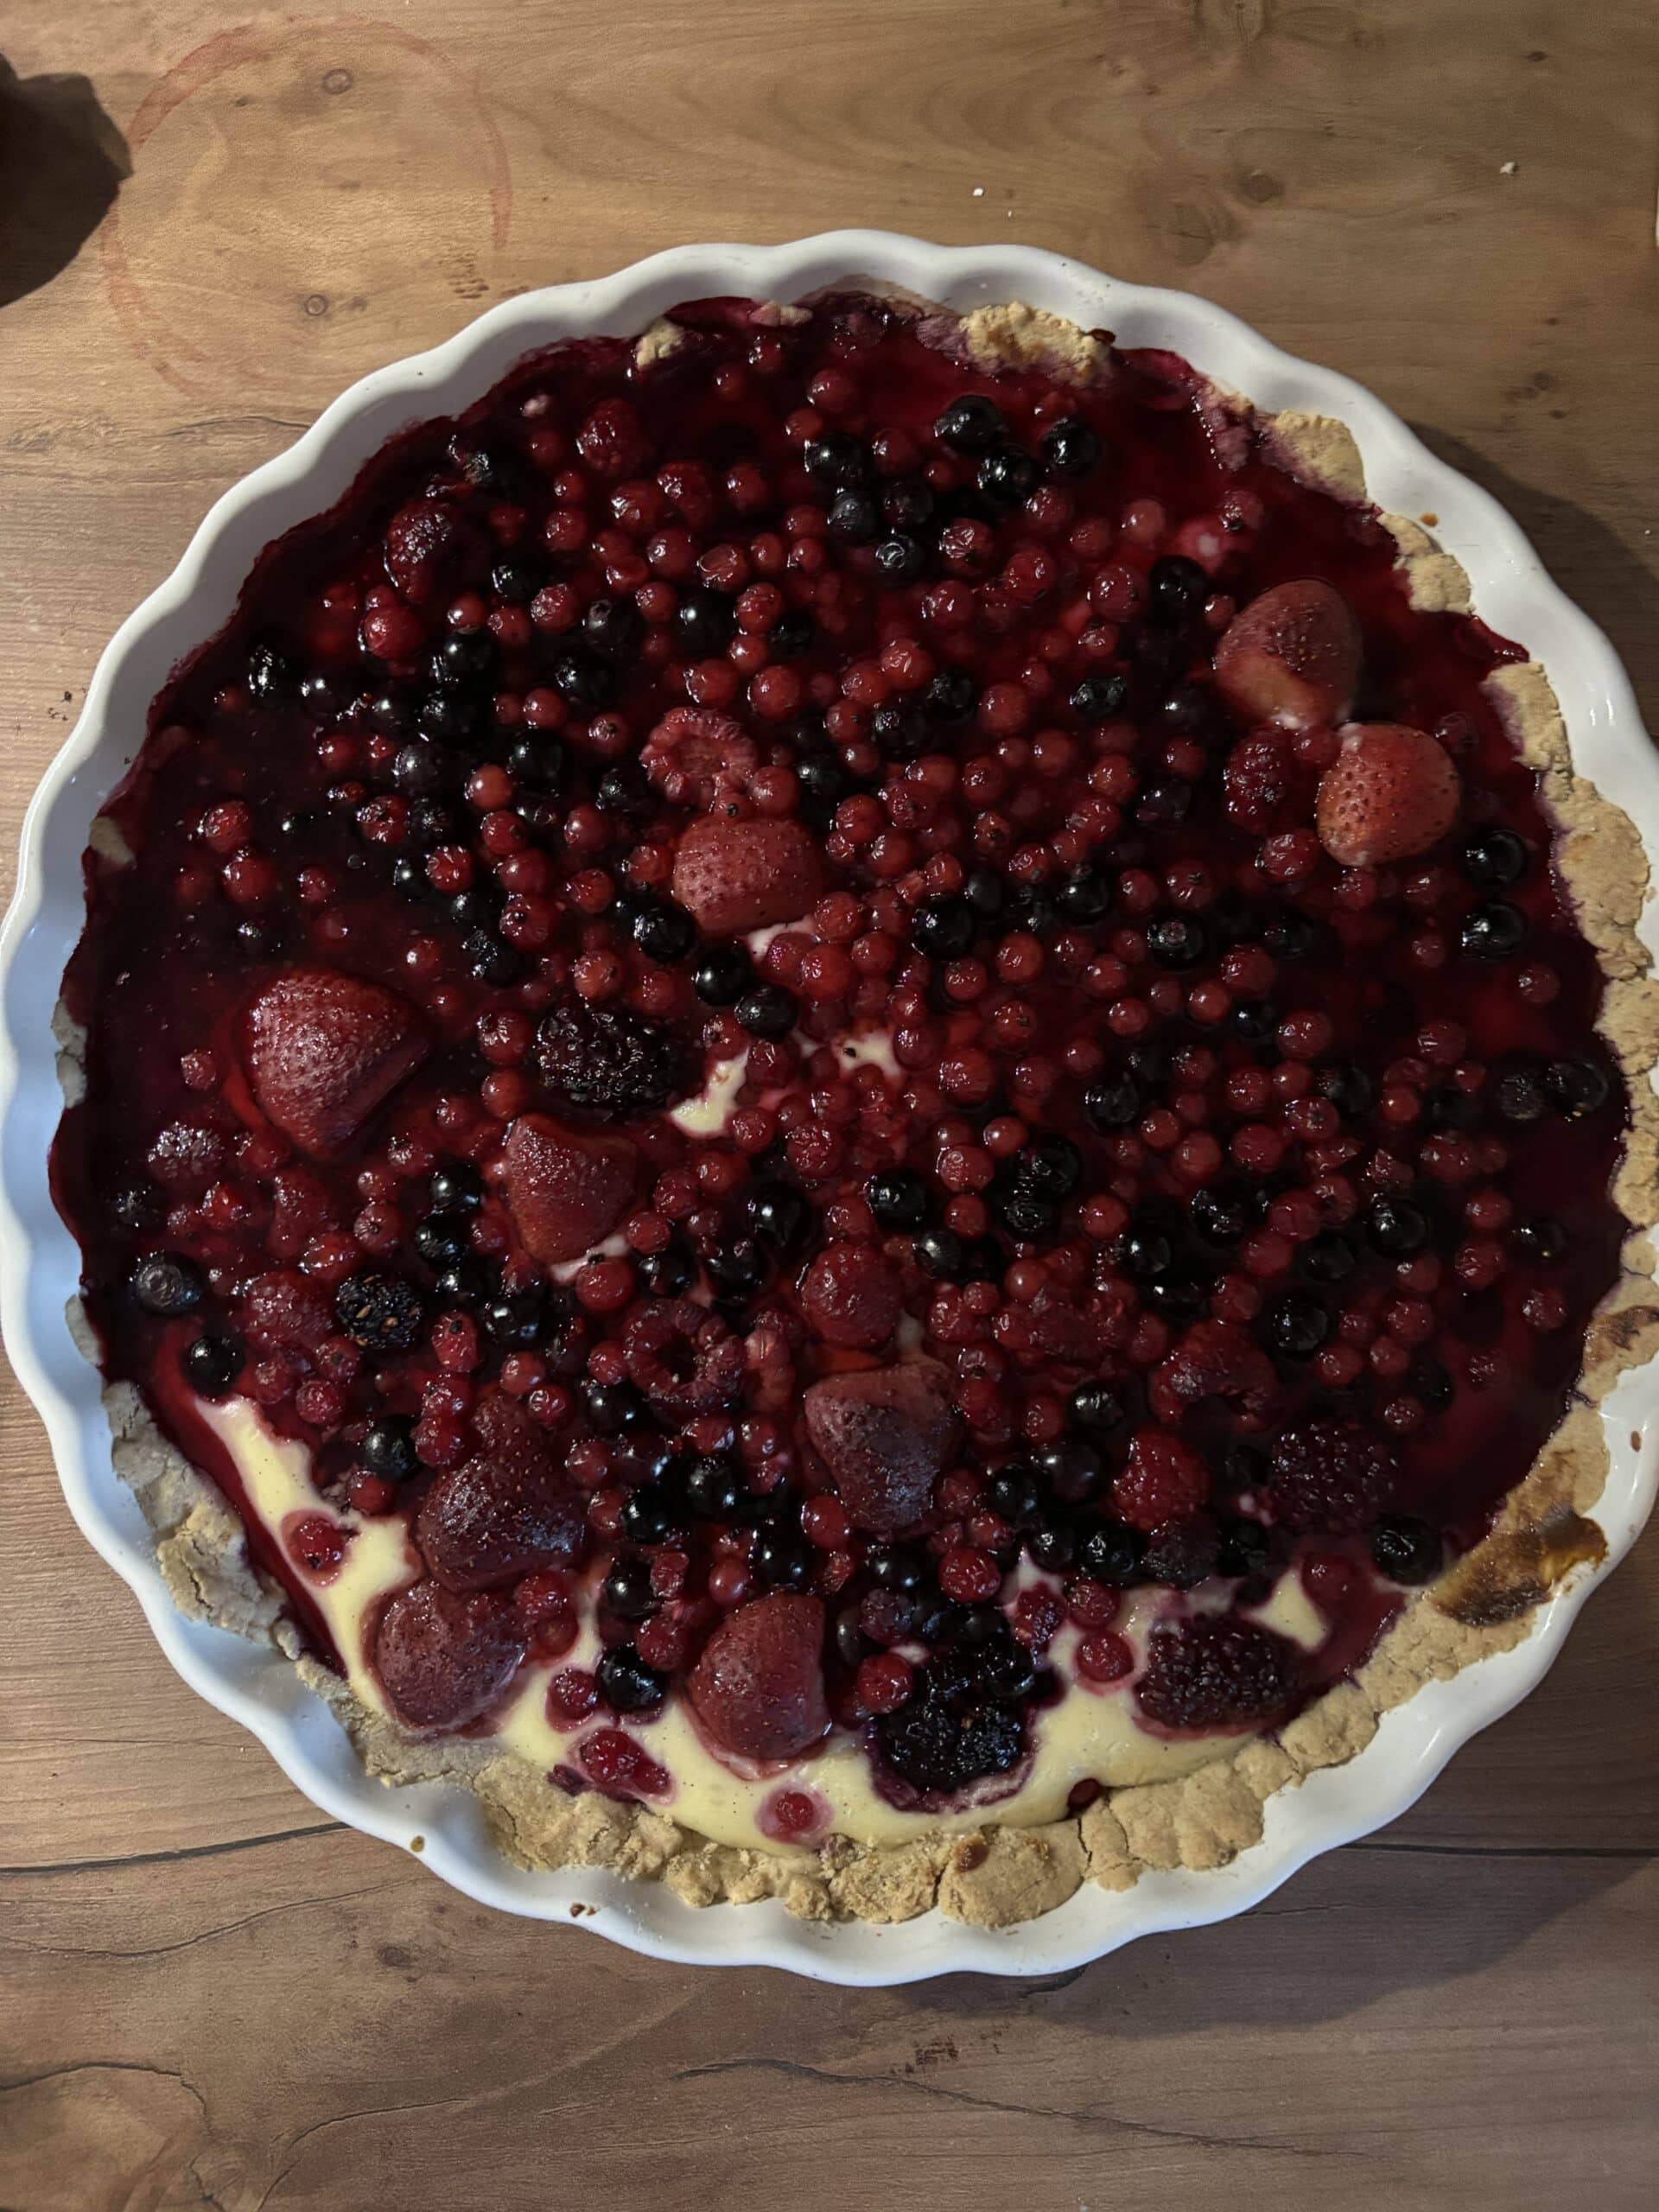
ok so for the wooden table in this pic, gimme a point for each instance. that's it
(210, 1995)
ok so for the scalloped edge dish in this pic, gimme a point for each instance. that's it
(40, 1265)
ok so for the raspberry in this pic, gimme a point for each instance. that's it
(682, 1356)
(1166, 1479)
(613, 1066)
(1218, 1674)
(1267, 787)
(1214, 1359)
(1330, 1475)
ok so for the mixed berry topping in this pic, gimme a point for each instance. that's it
(872, 1038)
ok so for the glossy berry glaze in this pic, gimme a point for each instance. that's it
(1116, 1191)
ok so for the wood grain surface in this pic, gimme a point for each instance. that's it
(210, 1994)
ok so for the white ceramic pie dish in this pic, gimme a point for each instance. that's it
(40, 1266)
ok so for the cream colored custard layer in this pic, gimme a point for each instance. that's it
(1090, 1734)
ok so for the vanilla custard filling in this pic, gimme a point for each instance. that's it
(1091, 1734)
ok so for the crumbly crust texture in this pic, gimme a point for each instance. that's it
(998, 1876)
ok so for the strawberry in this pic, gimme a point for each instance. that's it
(505, 1512)
(423, 541)
(886, 1434)
(444, 1660)
(1291, 657)
(758, 1684)
(734, 875)
(694, 754)
(850, 1295)
(323, 1051)
(1391, 793)
(567, 1189)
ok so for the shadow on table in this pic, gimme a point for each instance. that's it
(1399, 1911)
(1592, 563)
(61, 163)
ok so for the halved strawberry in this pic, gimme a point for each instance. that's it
(567, 1189)
(507, 1511)
(735, 875)
(758, 1684)
(1392, 792)
(323, 1051)
(886, 1434)
(1291, 657)
(444, 1660)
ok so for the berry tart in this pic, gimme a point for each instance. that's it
(855, 1102)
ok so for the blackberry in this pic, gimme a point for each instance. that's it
(951, 1731)
(1182, 1554)
(382, 1312)
(610, 1064)
(1216, 1672)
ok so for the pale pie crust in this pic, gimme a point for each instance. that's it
(993, 1876)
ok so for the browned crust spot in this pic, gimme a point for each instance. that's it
(997, 1876)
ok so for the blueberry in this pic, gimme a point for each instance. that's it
(941, 1253)
(388, 1448)
(612, 627)
(1116, 1102)
(1255, 1021)
(1292, 936)
(1085, 896)
(624, 789)
(468, 1282)
(951, 696)
(971, 425)
(625, 1683)
(899, 1198)
(792, 635)
(417, 768)
(492, 959)
(583, 681)
(1445, 1107)
(1518, 1091)
(908, 504)
(1070, 446)
(1097, 698)
(1050, 1163)
(627, 1592)
(1073, 1470)
(1177, 941)
(1179, 588)
(1181, 1293)
(612, 1407)
(780, 1559)
(705, 621)
(1164, 804)
(520, 1320)
(723, 974)
(1246, 1548)
(854, 516)
(836, 458)
(212, 1364)
(942, 928)
(664, 932)
(1145, 1250)
(1220, 1215)
(778, 1215)
(1575, 1088)
(1110, 1553)
(1433, 1385)
(896, 1567)
(450, 716)
(1328, 1257)
(1348, 1088)
(1405, 1550)
(1495, 931)
(714, 1490)
(1095, 1408)
(1396, 1227)
(901, 732)
(1032, 908)
(1053, 1547)
(824, 783)
(1009, 475)
(1297, 1325)
(516, 579)
(666, 1273)
(167, 1284)
(900, 559)
(273, 675)
(465, 656)
(442, 1235)
(738, 1268)
(985, 892)
(766, 1010)
(1539, 1239)
(457, 1183)
(649, 1515)
(1493, 859)
(1030, 1218)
